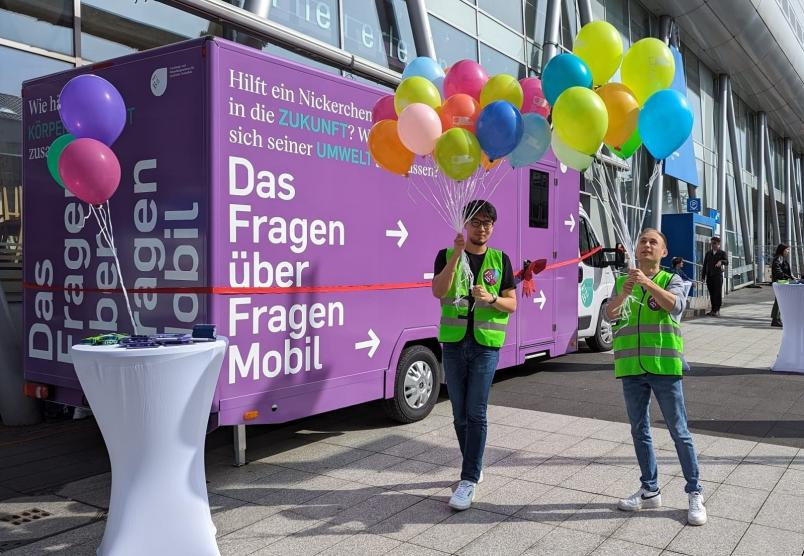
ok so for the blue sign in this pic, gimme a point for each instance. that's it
(681, 164)
(714, 215)
(693, 205)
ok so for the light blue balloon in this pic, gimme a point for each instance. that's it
(535, 141)
(499, 129)
(665, 123)
(562, 72)
(428, 68)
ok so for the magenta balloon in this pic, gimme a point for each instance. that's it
(89, 170)
(466, 76)
(533, 97)
(92, 107)
(419, 128)
(383, 109)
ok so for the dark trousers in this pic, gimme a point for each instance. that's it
(776, 315)
(715, 286)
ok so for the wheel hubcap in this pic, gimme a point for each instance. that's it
(605, 332)
(418, 384)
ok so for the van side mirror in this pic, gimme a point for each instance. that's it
(614, 257)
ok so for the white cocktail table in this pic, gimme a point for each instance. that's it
(791, 304)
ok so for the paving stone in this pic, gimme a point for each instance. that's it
(336, 501)
(783, 512)
(715, 470)
(553, 444)
(595, 477)
(515, 438)
(440, 455)
(413, 520)
(729, 448)
(311, 487)
(556, 505)
(768, 540)
(555, 470)
(617, 547)
(227, 476)
(613, 432)
(458, 530)
(79, 542)
(562, 541)
(736, 502)
(752, 475)
(311, 540)
(365, 469)
(552, 422)
(411, 475)
(63, 515)
(513, 536)
(772, 454)
(229, 515)
(75, 489)
(375, 509)
(509, 497)
(718, 537)
(362, 543)
(263, 533)
(407, 549)
(590, 448)
(600, 517)
(655, 528)
(792, 482)
(411, 448)
(515, 465)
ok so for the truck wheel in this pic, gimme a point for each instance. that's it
(418, 382)
(604, 336)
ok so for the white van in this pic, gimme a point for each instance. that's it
(595, 282)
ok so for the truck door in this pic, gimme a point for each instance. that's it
(536, 313)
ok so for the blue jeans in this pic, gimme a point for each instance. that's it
(469, 370)
(670, 396)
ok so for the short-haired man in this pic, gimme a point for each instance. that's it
(715, 262)
(649, 357)
(472, 331)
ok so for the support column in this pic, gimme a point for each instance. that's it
(777, 234)
(737, 168)
(788, 190)
(761, 248)
(795, 183)
(552, 28)
(420, 25)
(723, 82)
(584, 11)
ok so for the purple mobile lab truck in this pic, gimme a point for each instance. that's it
(249, 199)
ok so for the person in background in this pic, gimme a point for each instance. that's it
(678, 268)
(715, 262)
(780, 270)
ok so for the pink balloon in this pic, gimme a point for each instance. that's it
(466, 76)
(89, 170)
(533, 100)
(419, 128)
(383, 109)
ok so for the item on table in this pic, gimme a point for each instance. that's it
(204, 333)
(139, 341)
(166, 339)
(104, 339)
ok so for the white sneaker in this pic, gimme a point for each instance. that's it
(463, 496)
(641, 500)
(697, 512)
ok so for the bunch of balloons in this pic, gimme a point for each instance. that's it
(589, 111)
(94, 114)
(462, 117)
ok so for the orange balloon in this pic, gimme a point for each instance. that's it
(387, 149)
(488, 164)
(459, 110)
(623, 109)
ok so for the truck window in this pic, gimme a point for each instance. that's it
(588, 241)
(539, 199)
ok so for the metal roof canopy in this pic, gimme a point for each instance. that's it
(754, 43)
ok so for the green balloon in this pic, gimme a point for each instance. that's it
(53, 154)
(457, 153)
(630, 146)
(569, 156)
(416, 89)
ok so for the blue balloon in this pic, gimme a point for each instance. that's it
(499, 129)
(535, 141)
(562, 72)
(665, 123)
(426, 67)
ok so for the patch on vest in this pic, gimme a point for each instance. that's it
(654, 306)
(491, 276)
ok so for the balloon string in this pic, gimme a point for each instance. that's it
(106, 232)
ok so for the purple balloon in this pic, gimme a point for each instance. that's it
(92, 108)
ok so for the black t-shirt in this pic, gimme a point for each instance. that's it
(475, 263)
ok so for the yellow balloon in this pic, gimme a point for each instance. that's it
(648, 67)
(416, 89)
(600, 45)
(580, 119)
(502, 87)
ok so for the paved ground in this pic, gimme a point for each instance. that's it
(559, 455)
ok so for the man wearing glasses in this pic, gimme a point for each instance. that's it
(473, 323)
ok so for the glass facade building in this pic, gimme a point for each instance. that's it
(38, 37)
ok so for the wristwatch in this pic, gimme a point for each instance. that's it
(493, 299)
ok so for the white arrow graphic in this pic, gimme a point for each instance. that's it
(371, 344)
(570, 223)
(541, 300)
(401, 233)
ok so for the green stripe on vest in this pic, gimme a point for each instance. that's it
(649, 341)
(490, 323)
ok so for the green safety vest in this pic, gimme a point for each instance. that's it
(649, 341)
(490, 323)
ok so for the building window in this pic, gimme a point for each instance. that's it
(507, 12)
(535, 14)
(451, 45)
(379, 31)
(539, 212)
(495, 63)
(46, 24)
